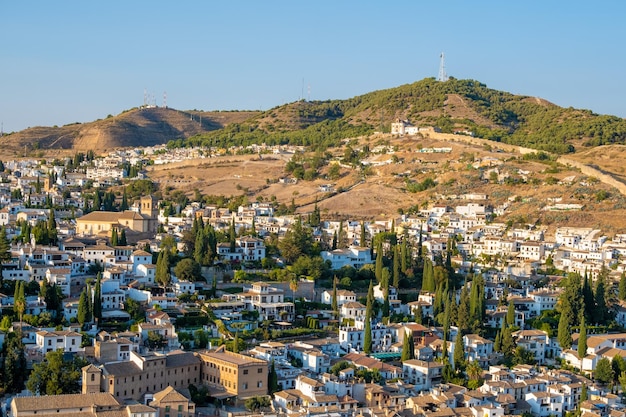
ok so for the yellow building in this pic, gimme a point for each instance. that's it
(102, 222)
(238, 374)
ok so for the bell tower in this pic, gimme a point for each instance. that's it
(91, 379)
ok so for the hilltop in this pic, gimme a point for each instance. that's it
(132, 128)
(455, 105)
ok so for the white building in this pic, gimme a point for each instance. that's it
(64, 340)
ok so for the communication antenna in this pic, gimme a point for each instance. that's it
(442, 70)
(165, 99)
(1, 129)
(302, 92)
(308, 93)
(145, 97)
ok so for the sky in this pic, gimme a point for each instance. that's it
(77, 61)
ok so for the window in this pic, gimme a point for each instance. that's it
(245, 372)
(260, 371)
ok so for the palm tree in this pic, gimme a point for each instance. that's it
(293, 285)
(474, 372)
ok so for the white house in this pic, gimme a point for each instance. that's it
(343, 296)
(422, 374)
(354, 256)
(65, 340)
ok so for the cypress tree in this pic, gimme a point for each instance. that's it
(89, 305)
(622, 287)
(123, 241)
(406, 347)
(272, 379)
(463, 310)
(363, 236)
(510, 314)
(601, 312)
(334, 304)
(334, 244)
(507, 341)
(582, 340)
(379, 264)
(428, 280)
(367, 336)
(588, 298)
(232, 236)
(83, 308)
(419, 315)
(124, 205)
(497, 344)
(97, 299)
(19, 299)
(396, 266)
(563, 335)
(404, 263)
(114, 241)
(459, 353)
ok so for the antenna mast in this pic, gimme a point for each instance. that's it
(442, 70)
(165, 99)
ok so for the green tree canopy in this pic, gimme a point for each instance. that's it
(55, 376)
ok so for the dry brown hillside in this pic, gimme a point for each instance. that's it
(136, 127)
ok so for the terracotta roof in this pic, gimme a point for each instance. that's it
(169, 394)
(53, 402)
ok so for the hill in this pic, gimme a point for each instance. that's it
(132, 128)
(453, 105)
(393, 182)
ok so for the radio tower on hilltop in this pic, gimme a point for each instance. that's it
(442, 70)
(165, 99)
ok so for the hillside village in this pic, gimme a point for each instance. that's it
(443, 312)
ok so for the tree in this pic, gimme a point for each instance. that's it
(396, 266)
(603, 371)
(155, 340)
(622, 287)
(55, 376)
(406, 347)
(257, 403)
(14, 363)
(97, 299)
(459, 353)
(188, 270)
(601, 312)
(114, 237)
(379, 264)
(122, 240)
(162, 273)
(19, 300)
(232, 235)
(463, 311)
(369, 307)
(474, 373)
(272, 379)
(510, 314)
(83, 308)
(334, 304)
(428, 279)
(124, 204)
(298, 240)
(582, 341)
(563, 335)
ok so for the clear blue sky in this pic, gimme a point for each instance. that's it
(77, 61)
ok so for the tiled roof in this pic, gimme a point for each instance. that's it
(50, 402)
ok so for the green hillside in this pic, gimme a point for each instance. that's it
(452, 105)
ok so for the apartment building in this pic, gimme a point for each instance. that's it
(151, 373)
(238, 374)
